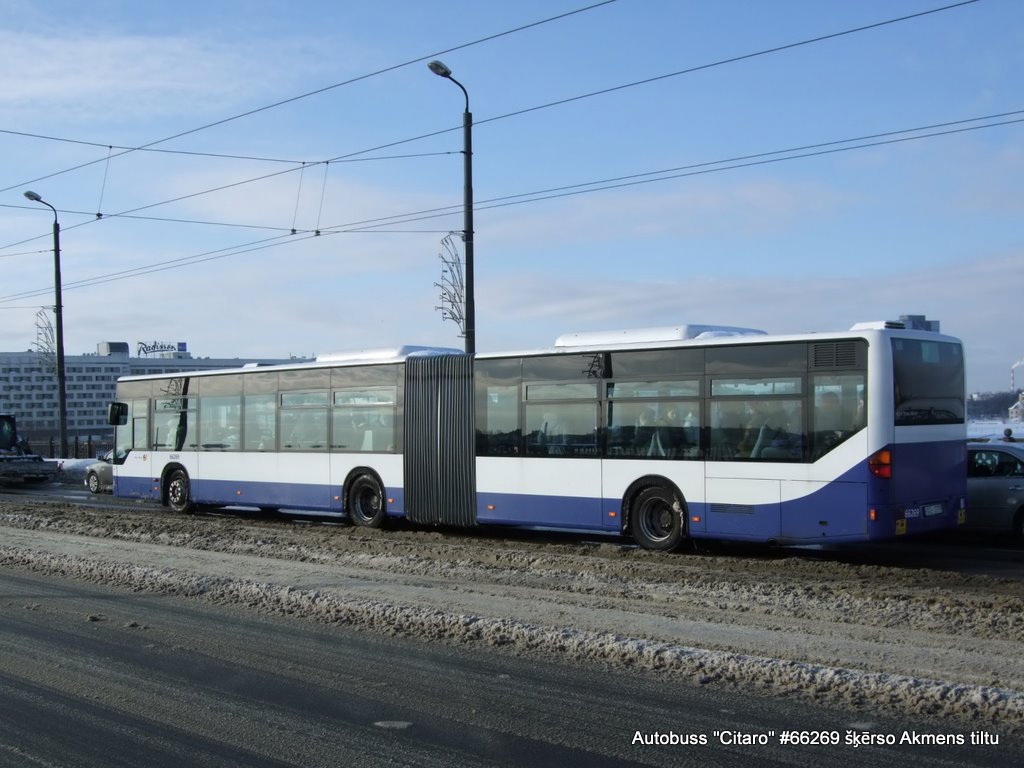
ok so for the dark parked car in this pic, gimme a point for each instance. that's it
(99, 477)
(995, 487)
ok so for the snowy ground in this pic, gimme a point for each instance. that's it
(898, 641)
(992, 429)
(887, 640)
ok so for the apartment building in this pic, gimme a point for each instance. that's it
(28, 384)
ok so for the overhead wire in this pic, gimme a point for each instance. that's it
(103, 186)
(298, 198)
(790, 154)
(371, 225)
(324, 89)
(353, 155)
(323, 197)
(197, 153)
(156, 267)
(663, 173)
(596, 184)
(24, 253)
(731, 60)
(375, 224)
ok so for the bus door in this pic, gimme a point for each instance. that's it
(538, 459)
(134, 476)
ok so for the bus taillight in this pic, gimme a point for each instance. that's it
(880, 463)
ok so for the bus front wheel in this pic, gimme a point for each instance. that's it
(179, 494)
(656, 519)
(366, 502)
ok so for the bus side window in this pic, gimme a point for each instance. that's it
(839, 410)
(561, 429)
(260, 422)
(497, 426)
(727, 427)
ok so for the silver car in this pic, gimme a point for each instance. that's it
(995, 487)
(99, 477)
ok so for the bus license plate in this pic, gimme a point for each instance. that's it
(928, 510)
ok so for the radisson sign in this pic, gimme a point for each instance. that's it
(156, 347)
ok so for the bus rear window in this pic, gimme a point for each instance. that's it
(929, 382)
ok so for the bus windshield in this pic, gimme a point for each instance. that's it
(929, 382)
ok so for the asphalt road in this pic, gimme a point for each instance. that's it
(97, 677)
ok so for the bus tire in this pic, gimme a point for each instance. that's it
(365, 502)
(656, 519)
(179, 492)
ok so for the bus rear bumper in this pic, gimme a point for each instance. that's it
(918, 519)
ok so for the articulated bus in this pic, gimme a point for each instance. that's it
(662, 435)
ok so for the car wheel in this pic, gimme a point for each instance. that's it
(93, 483)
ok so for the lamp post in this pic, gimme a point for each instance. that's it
(439, 69)
(58, 312)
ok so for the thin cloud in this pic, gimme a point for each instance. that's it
(116, 77)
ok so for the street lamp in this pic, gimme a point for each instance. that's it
(58, 312)
(439, 69)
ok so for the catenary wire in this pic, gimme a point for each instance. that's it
(351, 156)
(535, 194)
(324, 89)
(601, 184)
(196, 153)
(363, 227)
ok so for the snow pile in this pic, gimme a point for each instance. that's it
(992, 429)
(777, 677)
(71, 471)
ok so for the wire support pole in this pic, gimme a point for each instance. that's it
(469, 314)
(58, 315)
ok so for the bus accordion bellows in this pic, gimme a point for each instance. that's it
(665, 435)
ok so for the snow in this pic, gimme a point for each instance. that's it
(992, 429)
(902, 641)
(911, 643)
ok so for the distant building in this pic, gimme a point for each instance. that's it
(28, 384)
(1016, 411)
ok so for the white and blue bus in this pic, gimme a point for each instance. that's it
(661, 435)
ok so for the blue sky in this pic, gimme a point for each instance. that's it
(925, 226)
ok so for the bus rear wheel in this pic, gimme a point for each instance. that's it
(656, 519)
(179, 492)
(366, 502)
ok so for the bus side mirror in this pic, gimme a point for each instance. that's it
(117, 414)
